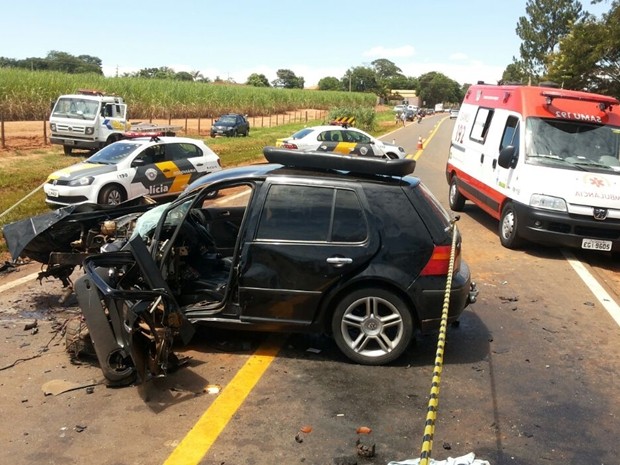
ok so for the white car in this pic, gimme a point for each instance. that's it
(339, 139)
(454, 114)
(131, 168)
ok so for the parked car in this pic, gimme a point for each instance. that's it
(130, 168)
(454, 113)
(230, 125)
(343, 140)
(399, 108)
(351, 246)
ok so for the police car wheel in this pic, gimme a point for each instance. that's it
(111, 195)
(372, 326)
(509, 228)
(455, 199)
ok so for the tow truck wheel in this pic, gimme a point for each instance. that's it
(67, 149)
(455, 198)
(509, 228)
(111, 195)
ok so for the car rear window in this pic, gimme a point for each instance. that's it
(301, 133)
(434, 215)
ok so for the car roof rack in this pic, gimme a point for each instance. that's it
(355, 164)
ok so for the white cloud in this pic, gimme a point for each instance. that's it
(458, 57)
(383, 52)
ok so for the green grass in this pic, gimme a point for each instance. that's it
(23, 173)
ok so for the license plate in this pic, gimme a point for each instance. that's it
(595, 244)
(52, 193)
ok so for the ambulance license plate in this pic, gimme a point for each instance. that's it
(52, 193)
(595, 244)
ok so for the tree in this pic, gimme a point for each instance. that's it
(183, 76)
(257, 80)
(385, 69)
(288, 80)
(360, 79)
(515, 73)
(548, 21)
(330, 83)
(589, 57)
(438, 88)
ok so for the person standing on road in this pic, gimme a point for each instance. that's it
(403, 117)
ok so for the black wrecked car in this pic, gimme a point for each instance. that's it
(310, 242)
(230, 125)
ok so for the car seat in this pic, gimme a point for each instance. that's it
(327, 137)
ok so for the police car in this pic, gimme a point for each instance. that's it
(131, 168)
(340, 139)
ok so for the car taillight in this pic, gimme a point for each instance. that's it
(288, 145)
(439, 262)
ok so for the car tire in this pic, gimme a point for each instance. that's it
(234, 133)
(247, 132)
(372, 326)
(112, 194)
(509, 228)
(67, 149)
(455, 198)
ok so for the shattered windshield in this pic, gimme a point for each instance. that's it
(572, 144)
(76, 108)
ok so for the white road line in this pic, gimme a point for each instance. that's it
(17, 282)
(601, 294)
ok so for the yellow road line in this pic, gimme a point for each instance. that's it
(418, 154)
(201, 437)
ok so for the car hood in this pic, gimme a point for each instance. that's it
(80, 170)
(56, 231)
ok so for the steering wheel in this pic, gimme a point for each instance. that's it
(200, 222)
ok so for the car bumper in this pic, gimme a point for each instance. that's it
(69, 195)
(431, 292)
(564, 229)
(77, 143)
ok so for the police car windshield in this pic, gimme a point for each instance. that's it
(113, 153)
(574, 144)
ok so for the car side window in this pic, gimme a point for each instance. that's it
(296, 213)
(181, 151)
(307, 213)
(353, 136)
(349, 223)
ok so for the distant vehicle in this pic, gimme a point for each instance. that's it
(399, 108)
(438, 107)
(91, 120)
(338, 139)
(131, 168)
(230, 125)
(454, 113)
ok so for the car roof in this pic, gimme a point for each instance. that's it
(292, 163)
(331, 127)
(163, 139)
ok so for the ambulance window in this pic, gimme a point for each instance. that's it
(481, 125)
(511, 133)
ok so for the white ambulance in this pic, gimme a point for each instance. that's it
(543, 161)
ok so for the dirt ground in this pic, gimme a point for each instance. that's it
(31, 135)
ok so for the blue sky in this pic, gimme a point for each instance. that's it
(467, 41)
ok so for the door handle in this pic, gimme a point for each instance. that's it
(481, 157)
(339, 261)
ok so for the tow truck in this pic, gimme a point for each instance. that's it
(91, 119)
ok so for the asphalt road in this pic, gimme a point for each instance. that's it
(530, 374)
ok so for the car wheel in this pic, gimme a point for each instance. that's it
(234, 133)
(213, 135)
(67, 149)
(247, 132)
(509, 228)
(111, 195)
(372, 326)
(455, 198)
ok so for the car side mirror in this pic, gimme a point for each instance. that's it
(508, 157)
